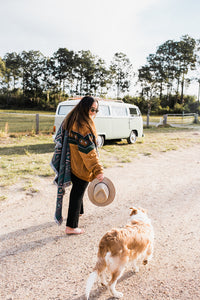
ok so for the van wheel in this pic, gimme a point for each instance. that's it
(132, 138)
(100, 141)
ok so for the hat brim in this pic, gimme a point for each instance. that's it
(111, 189)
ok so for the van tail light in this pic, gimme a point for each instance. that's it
(54, 128)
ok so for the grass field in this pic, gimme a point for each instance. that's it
(25, 121)
(13, 121)
(27, 157)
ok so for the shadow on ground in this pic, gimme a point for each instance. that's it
(21, 150)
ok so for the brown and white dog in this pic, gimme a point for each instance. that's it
(134, 242)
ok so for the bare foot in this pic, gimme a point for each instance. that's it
(77, 230)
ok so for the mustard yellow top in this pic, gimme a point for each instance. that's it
(83, 153)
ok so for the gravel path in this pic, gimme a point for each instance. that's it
(39, 262)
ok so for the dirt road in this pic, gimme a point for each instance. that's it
(39, 262)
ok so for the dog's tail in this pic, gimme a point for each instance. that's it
(91, 280)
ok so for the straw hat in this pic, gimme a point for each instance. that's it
(101, 193)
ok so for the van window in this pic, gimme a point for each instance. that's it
(133, 111)
(104, 111)
(118, 111)
(65, 109)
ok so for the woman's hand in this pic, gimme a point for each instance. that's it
(100, 177)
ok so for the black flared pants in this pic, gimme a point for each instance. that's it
(76, 201)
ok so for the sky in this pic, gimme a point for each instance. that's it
(135, 27)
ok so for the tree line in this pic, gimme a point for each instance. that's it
(30, 79)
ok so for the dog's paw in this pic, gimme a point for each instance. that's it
(115, 293)
(118, 294)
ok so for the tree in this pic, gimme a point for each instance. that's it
(48, 82)
(62, 69)
(32, 64)
(150, 86)
(100, 80)
(186, 59)
(168, 67)
(13, 63)
(167, 54)
(84, 72)
(121, 72)
(2, 68)
(197, 77)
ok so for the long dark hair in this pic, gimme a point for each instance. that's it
(79, 114)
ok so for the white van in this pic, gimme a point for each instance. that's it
(115, 120)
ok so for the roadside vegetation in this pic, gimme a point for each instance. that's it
(31, 80)
(27, 157)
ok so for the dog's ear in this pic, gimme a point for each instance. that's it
(143, 210)
(133, 211)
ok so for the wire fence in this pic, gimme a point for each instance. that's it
(181, 119)
(26, 123)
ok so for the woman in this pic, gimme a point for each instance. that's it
(85, 166)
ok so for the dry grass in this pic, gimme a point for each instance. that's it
(26, 157)
(155, 140)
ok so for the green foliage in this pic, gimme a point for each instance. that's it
(167, 105)
(2, 67)
(178, 108)
(29, 79)
(121, 72)
(166, 70)
(143, 104)
(191, 105)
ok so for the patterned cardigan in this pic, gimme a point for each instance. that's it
(83, 152)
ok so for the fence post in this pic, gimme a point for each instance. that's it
(147, 120)
(164, 119)
(196, 118)
(37, 124)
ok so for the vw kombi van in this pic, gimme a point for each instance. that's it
(115, 120)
